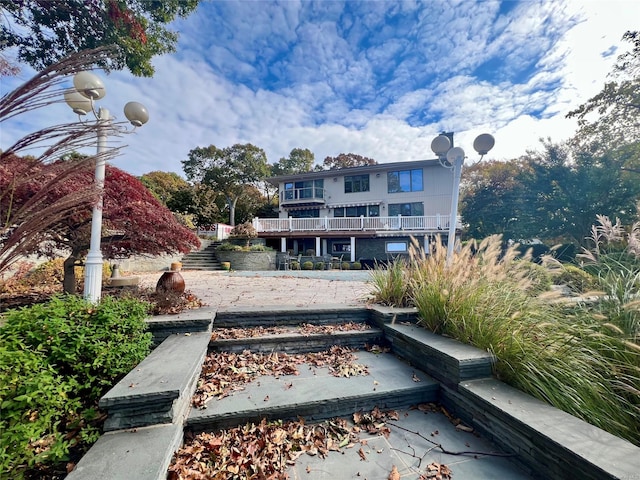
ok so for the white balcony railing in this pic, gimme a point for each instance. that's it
(348, 224)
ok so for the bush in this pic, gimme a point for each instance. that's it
(346, 265)
(245, 231)
(356, 266)
(308, 265)
(229, 247)
(576, 279)
(56, 361)
(319, 265)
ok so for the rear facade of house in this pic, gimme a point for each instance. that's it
(367, 214)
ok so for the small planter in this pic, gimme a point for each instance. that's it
(226, 266)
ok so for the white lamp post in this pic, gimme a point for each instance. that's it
(441, 146)
(87, 89)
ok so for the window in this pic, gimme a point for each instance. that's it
(402, 181)
(415, 209)
(341, 247)
(396, 247)
(360, 211)
(306, 213)
(302, 190)
(310, 189)
(356, 183)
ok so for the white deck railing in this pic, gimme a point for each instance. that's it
(349, 224)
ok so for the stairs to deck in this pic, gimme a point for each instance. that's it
(204, 259)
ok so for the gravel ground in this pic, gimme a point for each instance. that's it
(290, 288)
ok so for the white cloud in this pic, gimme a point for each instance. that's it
(278, 76)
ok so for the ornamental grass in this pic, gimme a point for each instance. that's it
(487, 296)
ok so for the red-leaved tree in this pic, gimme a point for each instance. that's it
(134, 223)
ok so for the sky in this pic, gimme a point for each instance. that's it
(375, 78)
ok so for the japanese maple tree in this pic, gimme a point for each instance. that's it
(134, 223)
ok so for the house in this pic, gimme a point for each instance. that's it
(366, 213)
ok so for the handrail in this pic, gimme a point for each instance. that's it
(396, 223)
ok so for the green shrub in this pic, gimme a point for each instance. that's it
(576, 279)
(56, 361)
(229, 247)
(356, 266)
(319, 265)
(308, 265)
(346, 266)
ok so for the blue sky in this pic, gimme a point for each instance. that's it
(376, 78)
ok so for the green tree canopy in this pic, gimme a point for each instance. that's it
(46, 31)
(227, 170)
(491, 200)
(299, 161)
(553, 195)
(164, 185)
(347, 160)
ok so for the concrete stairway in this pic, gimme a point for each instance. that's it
(203, 259)
(150, 409)
(314, 393)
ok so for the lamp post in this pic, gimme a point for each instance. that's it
(87, 89)
(442, 147)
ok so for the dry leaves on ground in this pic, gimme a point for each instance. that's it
(303, 329)
(266, 450)
(436, 471)
(225, 372)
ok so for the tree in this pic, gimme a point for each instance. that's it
(227, 170)
(553, 195)
(134, 222)
(347, 160)
(44, 32)
(299, 161)
(164, 185)
(492, 200)
(616, 107)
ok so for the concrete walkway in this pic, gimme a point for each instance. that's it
(298, 288)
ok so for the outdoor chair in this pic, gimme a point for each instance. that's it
(337, 261)
(327, 260)
(284, 261)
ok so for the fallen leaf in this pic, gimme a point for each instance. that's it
(394, 475)
(362, 454)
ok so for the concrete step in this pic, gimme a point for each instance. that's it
(315, 394)
(292, 341)
(159, 389)
(274, 316)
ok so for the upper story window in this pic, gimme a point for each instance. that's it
(356, 183)
(301, 190)
(401, 181)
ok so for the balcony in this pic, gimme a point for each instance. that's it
(311, 196)
(379, 225)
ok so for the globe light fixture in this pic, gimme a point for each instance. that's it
(88, 88)
(453, 158)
